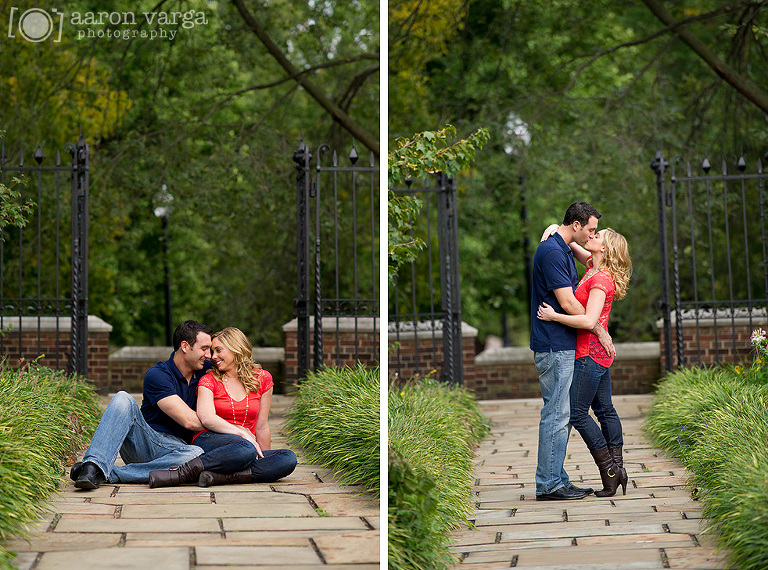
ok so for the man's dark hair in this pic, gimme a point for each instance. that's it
(188, 331)
(580, 212)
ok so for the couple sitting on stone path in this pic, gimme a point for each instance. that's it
(203, 418)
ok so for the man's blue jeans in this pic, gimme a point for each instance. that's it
(227, 453)
(555, 374)
(592, 387)
(123, 430)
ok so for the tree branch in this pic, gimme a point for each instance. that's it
(355, 85)
(644, 40)
(282, 80)
(730, 75)
(330, 107)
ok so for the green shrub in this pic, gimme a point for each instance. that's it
(414, 539)
(45, 416)
(433, 430)
(335, 420)
(716, 421)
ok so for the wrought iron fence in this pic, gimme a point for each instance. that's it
(425, 300)
(338, 243)
(712, 229)
(43, 274)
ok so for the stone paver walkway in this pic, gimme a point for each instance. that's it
(304, 521)
(656, 525)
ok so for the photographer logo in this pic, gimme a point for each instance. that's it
(36, 24)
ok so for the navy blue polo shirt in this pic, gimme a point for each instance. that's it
(553, 268)
(162, 380)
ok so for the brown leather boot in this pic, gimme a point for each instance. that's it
(616, 455)
(176, 475)
(208, 478)
(608, 472)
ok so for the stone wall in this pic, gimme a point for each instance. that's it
(130, 363)
(419, 352)
(496, 373)
(704, 343)
(357, 340)
(508, 372)
(51, 345)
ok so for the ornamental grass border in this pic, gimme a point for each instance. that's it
(45, 417)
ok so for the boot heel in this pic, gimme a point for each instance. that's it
(623, 480)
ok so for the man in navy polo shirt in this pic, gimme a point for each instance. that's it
(158, 435)
(554, 347)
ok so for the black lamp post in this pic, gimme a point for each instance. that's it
(163, 210)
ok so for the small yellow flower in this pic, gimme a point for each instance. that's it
(402, 393)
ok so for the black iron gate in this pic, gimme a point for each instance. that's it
(714, 224)
(40, 277)
(338, 257)
(420, 323)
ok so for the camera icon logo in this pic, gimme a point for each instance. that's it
(36, 24)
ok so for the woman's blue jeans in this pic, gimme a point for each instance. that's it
(227, 453)
(591, 387)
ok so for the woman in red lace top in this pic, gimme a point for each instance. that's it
(233, 402)
(609, 268)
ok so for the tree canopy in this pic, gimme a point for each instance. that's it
(577, 97)
(214, 115)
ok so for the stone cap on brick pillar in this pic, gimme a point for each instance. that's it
(740, 316)
(523, 355)
(163, 353)
(342, 324)
(50, 323)
(424, 329)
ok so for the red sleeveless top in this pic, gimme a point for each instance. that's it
(587, 343)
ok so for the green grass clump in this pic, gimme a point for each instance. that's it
(716, 421)
(335, 420)
(45, 416)
(433, 430)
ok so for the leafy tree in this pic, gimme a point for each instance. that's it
(215, 118)
(577, 98)
(13, 210)
(414, 158)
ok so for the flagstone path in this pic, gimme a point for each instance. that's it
(305, 521)
(655, 525)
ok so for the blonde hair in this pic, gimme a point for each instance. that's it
(247, 371)
(616, 260)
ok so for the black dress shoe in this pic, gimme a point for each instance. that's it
(74, 473)
(90, 476)
(585, 490)
(562, 494)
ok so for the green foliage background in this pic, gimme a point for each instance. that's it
(577, 97)
(212, 116)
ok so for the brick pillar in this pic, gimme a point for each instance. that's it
(346, 341)
(46, 340)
